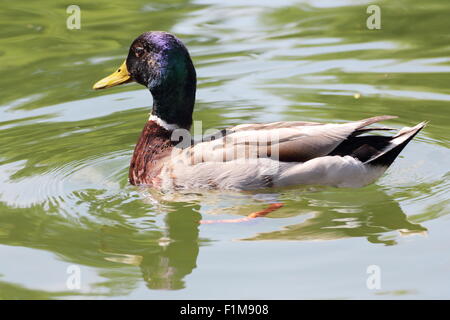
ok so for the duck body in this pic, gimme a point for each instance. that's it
(256, 156)
(247, 156)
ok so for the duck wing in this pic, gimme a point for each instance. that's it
(292, 141)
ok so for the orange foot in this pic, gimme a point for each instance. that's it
(272, 207)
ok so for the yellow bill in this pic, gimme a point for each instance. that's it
(114, 79)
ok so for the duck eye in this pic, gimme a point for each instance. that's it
(138, 51)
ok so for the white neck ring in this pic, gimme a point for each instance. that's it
(162, 123)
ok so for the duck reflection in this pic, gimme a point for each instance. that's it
(161, 244)
(164, 260)
(326, 213)
(337, 215)
(177, 257)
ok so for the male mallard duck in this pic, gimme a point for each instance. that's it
(247, 156)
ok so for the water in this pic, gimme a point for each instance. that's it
(64, 197)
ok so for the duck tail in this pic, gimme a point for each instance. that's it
(395, 146)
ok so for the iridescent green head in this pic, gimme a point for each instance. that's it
(161, 62)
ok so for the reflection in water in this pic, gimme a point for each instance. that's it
(163, 264)
(342, 215)
(167, 268)
(332, 213)
(165, 246)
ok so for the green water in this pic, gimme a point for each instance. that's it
(65, 149)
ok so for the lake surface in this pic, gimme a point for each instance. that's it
(66, 207)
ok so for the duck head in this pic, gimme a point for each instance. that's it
(161, 62)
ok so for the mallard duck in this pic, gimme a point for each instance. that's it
(247, 156)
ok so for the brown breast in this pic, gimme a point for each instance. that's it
(153, 145)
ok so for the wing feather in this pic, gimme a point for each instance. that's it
(293, 141)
